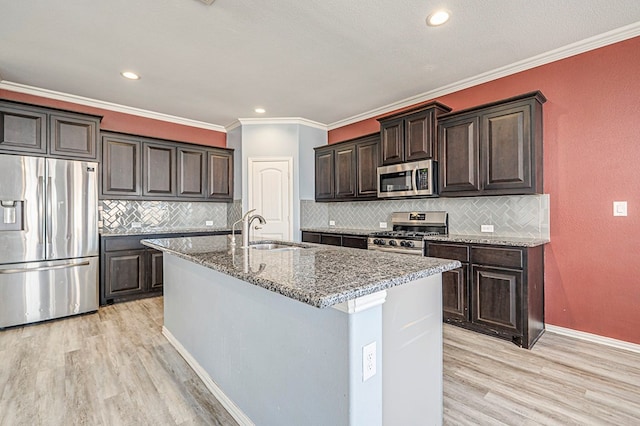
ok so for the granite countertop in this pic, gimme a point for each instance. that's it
(318, 275)
(149, 231)
(487, 239)
(348, 231)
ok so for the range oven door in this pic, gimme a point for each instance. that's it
(408, 179)
(416, 252)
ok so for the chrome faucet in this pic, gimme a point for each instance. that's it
(246, 226)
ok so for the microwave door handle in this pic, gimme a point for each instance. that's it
(414, 179)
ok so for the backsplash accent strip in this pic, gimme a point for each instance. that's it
(512, 216)
(119, 215)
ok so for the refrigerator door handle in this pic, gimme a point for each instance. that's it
(43, 268)
(49, 220)
(40, 197)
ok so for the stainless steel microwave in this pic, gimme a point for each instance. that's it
(408, 179)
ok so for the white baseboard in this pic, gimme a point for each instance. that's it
(607, 341)
(226, 402)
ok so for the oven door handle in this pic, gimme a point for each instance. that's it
(417, 252)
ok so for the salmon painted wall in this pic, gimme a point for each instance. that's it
(128, 123)
(591, 158)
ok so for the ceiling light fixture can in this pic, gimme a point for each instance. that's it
(260, 110)
(438, 18)
(130, 75)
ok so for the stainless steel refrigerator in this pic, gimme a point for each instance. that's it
(48, 238)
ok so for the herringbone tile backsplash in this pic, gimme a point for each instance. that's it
(516, 215)
(118, 215)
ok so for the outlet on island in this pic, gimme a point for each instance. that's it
(486, 228)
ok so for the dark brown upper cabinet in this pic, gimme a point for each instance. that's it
(324, 173)
(135, 167)
(410, 135)
(348, 170)
(23, 129)
(220, 175)
(121, 163)
(36, 130)
(159, 162)
(73, 135)
(493, 149)
(345, 173)
(191, 172)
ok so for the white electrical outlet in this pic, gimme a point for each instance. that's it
(383, 225)
(208, 223)
(368, 361)
(619, 208)
(136, 225)
(332, 223)
(486, 228)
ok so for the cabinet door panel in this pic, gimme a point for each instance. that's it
(496, 298)
(220, 175)
(368, 157)
(459, 156)
(22, 130)
(506, 148)
(121, 166)
(324, 174)
(159, 170)
(155, 276)
(345, 175)
(419, 136)
(124, 273)
(191, 164)
(392, 140)
(73, 136)
(455, 295)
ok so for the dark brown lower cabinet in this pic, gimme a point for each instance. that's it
(344, 240)
(499, 290)
(130, 270)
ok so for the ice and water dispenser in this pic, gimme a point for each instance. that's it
(11, 218)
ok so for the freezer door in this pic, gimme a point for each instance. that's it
(71, 209)
(22, 181)
(39, 291)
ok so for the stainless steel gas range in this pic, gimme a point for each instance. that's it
(409, 230)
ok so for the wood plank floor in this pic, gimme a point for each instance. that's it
(116, 368)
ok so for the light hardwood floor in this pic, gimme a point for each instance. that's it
(116, 368)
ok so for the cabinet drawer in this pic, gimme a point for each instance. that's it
(503, 257)
(330, 239)
(124, 243)
(449, 251)
(310, 237)
(354, 242)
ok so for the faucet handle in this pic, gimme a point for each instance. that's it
(257, 227)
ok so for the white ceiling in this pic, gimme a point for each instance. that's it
(323, 60)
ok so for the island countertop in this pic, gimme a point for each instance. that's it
(318, 275)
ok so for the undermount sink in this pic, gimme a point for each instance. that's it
(266, 245)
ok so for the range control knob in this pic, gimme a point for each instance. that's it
(409, 244)
(403, 243)
(378, 242)
(393, 243)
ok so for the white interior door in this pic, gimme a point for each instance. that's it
(270, 193)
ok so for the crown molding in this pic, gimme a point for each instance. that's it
(52, 94)
(592, 43)
(277, 120)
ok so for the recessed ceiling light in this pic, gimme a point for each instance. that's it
(130, 75)
(260, 110)
(437, 18)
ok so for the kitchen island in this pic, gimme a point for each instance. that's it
(308, 334)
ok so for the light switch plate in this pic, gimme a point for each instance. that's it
(208, 223)
(383, 225)
(332, 223)
(136, 225)
(619, 208)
